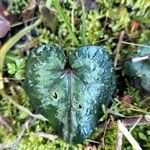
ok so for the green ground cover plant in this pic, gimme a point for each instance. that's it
(70, 24)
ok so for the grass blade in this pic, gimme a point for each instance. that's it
(83, 27)
(65, 18)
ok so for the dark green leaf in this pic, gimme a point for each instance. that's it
(139, 68)
(70, 92)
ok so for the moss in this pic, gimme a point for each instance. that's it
(141, 135)
(5, 136)
(16, 6)
(103, 28)
(111, 138)
(32, 141)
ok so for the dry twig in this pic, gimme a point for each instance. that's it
(130, 121)
(50, 137)
(102, 146)
(23, 129)
(134, 44)
(136, 123)
(119, 140)
(118, 48)
(129, 137)
(37, 116)
(5, 123)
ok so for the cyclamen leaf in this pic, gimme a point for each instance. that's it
(70, 91)
(139, 71)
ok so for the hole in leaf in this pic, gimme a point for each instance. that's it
(80, 106)
(55, 95)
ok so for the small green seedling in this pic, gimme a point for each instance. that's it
(17, 68)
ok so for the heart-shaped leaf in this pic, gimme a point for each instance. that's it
(138, 68)
(70, 91)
